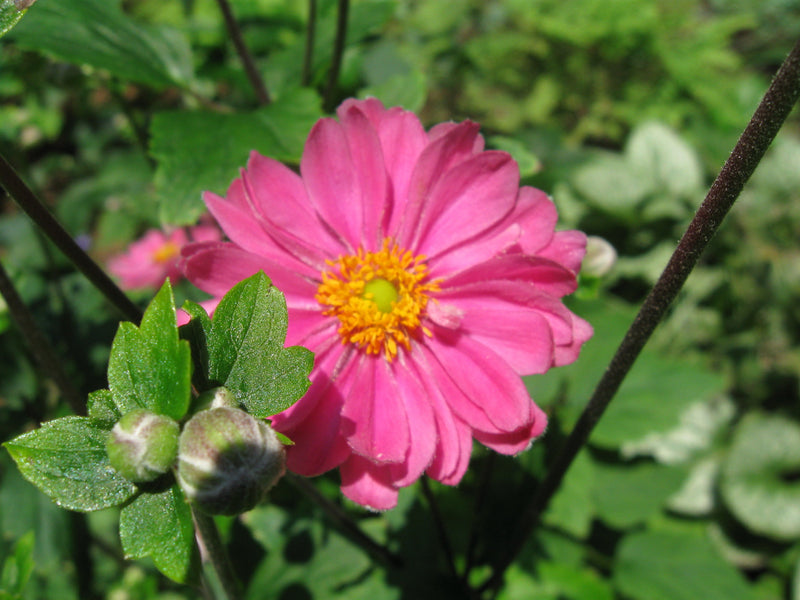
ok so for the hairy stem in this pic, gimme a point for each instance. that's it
(39, 214)
(244, 53)
(210, 541)
(311, 32)
(338, 53)
(436, 514)
(748, 152)
(39, 345)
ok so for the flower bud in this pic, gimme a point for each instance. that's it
(142, 445)
(216, 397)
(600, 257)
(228, 460)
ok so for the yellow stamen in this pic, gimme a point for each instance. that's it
(378, 297)
(166, 252)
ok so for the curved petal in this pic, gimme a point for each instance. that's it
(468, 200)
(436, 159)
(331, 181)
(421, 425)
(215, 267)
(477, 384)
(370, 171)
(537, 216)
(544, 274)
(566, 354)
(453, 441)
(566, 248)
(516, 441)
(368, 484)
(374, 418)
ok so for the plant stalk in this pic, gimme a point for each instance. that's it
(42, 217)
(210, 541)
(244, 53)
(338, 53)
(308, 55)
(767, 120)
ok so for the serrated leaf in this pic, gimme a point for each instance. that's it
(198, 151)
(675, 566)
(160, 526)
(11, 12)
(759, 478)
(66, 459)
(99, 34)
(102, 409)
(149, 366)
(246, 349)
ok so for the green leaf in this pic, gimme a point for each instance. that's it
(18, 566)
(246, 349)
(656, 150)
(198, 151)
(11, 12)
(628, 494)
(99, 34)
(66, 459)
(760, 478)
(102, 409)
(149, 366)
(572, 507)
(675, 566)
(160, 526)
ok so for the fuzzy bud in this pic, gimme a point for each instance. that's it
(228, 460)
(143, 445)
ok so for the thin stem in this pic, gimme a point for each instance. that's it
(209, 539)
(39, 345)
(748, 152)
(343, 521)
(244, 53)
(338, 53)
(480, 499)
(444, 539)
(39, 214)
(311, 30)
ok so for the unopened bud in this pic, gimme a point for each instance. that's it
(228, 460)
(600, 257)
(143, 445)
(216, 397)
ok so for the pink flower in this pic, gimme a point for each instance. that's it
(425, 280)
(155, 256)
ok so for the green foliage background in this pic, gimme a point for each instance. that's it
(120, 113)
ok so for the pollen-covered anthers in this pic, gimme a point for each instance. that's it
(378, 297)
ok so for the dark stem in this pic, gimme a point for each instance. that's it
(311, 31)
(338, 53)
(210, 541)
(39, 214)
(444, 539)
(345, 524)
(748, 152)
(39, 345)
(244, 53)
(480, 499)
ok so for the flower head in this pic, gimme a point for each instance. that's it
(154, 257)
(425, 279)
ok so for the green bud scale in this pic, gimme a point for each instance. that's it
(228, 460)
(143, 445)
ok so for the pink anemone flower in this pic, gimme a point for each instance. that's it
(151, 259)
(425, 280)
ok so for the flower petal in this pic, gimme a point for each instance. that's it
(567, 248)
(453, 442)
(374, 419)
(215, 267)
(421, 425)
(332, 182)
(368, 484)
(477, 384)
(468, 200)
(440, 155)
(516, 441)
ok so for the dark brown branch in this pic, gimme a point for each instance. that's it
(244, 53)
(748, 152)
